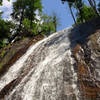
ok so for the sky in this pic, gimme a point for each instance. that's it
(49, 7)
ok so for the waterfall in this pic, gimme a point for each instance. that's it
(44, 72)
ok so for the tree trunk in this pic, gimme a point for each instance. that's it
(72, 13)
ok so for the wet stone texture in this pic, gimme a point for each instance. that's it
(60, 67)
(45, 72)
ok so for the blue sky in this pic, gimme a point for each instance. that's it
(50, 6)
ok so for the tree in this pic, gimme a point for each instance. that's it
(5, 27)
(70, 7)
(78, 4)
(26, 9)
(87, 14)
(93, 5)
(27, 31)
(55, 20)
(82, 10)
(18, 14)
(47, 26)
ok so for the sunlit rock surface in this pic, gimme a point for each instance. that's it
(50, 69)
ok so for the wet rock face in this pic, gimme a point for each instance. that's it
(60, 67)
(88, 63)
(94, 45)
(45, 72)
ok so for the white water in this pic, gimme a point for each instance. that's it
(52, 76)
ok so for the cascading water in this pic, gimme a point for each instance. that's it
(44, 72)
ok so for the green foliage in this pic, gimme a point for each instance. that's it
(87, 14)
(32, 7)
(35, 29)
(93, 6)
(47, 26)
(26, 23)
(23, 9)
(27, 30)
(24, 13)
(5, 27)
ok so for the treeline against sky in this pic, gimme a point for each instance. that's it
(85, 9)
